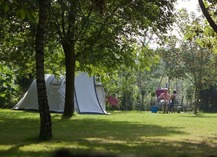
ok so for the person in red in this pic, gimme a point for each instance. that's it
(164, 100)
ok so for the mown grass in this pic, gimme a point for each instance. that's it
(137, 133)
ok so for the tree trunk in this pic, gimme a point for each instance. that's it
(70, 79)
(196, 103)
(207, 15)
(143, 97)
(68, 43)
(45, 118)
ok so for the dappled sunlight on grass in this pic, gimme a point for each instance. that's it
(6, 147)
(48, 146)
(134, 132)
(106, 140)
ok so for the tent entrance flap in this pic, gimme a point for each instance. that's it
(86, 94)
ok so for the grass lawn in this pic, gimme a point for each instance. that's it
(137, 133)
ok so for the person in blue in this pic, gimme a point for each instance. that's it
(172, 98)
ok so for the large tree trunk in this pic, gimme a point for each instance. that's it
(207, 15)
(45, 118)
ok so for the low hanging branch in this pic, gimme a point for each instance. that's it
(207, 15)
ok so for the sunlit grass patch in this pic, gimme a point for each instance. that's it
(131, 132)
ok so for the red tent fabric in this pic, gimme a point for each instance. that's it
(159, 91)
(113, 101)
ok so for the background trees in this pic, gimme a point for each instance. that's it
(195, 55)
(101, 33)
(102, 40)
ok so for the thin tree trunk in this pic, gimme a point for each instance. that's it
(196, 101)
(68, 44)
(45, 118)
(143, 97)
(70, 79)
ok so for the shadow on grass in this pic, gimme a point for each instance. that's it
(200, 115)
(87, 135)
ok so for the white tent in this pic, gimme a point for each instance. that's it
(89, 95)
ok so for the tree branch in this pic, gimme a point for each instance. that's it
(207, 15)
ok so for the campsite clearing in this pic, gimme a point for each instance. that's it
(138, 133)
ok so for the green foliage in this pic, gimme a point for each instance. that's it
(17, 49)
(23, 10)
(172, 62)
(8, 87)
(4, 5)
(189, 94)
(192, 59)
(16, 46)
(26, 14)
(199, 52)
(104, 41)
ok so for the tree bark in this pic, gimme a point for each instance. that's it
(207, 15)
(45, 117)
(70, 79)
(68, 44)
